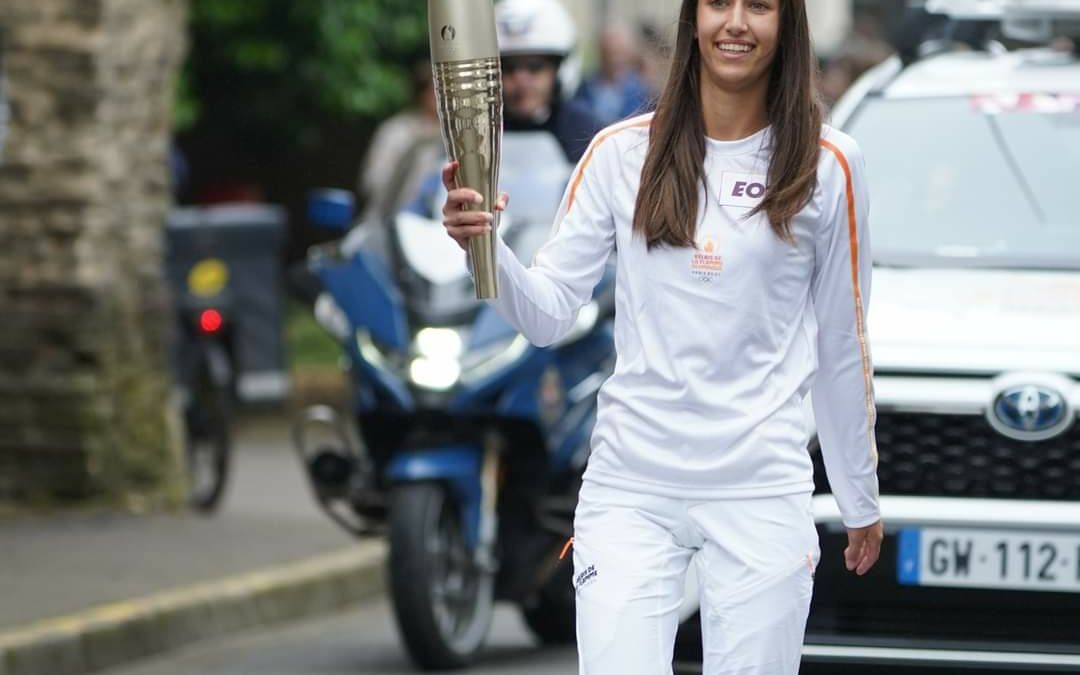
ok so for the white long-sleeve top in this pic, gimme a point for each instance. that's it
(718, 346)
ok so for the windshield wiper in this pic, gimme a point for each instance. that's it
(1010, 159)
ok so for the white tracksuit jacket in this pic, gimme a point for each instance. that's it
(717, 347)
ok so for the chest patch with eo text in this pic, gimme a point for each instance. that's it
(706, 263)
(741, 189)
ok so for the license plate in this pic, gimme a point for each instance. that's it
(1002, 559)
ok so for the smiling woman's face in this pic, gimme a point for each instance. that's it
(737, 40)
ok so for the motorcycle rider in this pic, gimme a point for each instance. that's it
(540, 73)
(537, 41)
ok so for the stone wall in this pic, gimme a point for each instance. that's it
(84, 318)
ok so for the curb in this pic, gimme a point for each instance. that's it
(110, 635)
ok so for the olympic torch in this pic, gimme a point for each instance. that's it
(468, 87)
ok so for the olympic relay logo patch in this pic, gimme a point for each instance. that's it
(706, 263)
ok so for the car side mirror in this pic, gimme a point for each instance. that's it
(331, 208)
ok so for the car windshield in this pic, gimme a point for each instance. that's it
(973, 181)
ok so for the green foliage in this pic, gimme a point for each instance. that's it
(277, 68)
(308, 346)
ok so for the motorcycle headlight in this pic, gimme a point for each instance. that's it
(439, 344)
(437, 365)
(441, 362)
(435, 374)
(433, 361)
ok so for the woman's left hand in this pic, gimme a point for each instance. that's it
(864, 547)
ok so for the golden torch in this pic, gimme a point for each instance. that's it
(468, 87)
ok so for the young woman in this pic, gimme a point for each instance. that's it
(743, 273)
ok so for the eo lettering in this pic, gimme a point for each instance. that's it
(753, 190)
(745, 190)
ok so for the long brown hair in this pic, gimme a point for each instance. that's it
(667, 200)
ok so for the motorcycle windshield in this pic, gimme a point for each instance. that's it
(434, 277)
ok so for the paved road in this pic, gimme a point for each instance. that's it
(365, 642)
(359, 642)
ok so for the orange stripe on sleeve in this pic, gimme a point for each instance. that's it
(603, 136)
(860, 323)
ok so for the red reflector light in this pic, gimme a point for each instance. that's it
(210, 321)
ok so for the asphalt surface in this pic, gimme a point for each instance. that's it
(365, 642)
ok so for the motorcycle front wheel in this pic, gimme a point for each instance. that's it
(442, 598)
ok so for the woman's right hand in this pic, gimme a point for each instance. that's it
(459, 223)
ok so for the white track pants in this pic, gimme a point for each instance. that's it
(755, 562)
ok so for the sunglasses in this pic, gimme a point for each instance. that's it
(533, 64)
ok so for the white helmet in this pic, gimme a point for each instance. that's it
(539, 27)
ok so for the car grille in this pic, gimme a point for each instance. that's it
(876, 606)
(963, 456)
(974, 625)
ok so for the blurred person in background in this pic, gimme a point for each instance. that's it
(865, 48)
(402, 149)
(537, 40)
(179, 172)
(655, 60)
(915, 30)
(617, 90)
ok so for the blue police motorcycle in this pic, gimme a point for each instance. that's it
(466, 444)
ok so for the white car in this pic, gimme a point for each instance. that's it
(974, 173)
